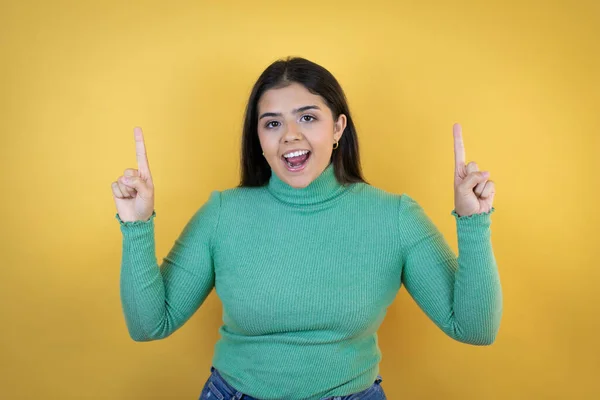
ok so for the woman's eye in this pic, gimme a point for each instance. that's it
(304, 117)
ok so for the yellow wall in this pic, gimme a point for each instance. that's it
(76, 77)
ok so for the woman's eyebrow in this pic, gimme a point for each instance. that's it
(296, 111)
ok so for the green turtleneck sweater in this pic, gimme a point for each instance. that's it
(305, 277)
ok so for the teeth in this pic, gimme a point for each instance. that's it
(295, 154)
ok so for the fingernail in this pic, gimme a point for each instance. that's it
(486, 174)
(125, 179)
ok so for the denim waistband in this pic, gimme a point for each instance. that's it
(224, 391)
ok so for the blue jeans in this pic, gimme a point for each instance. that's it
(216, 388)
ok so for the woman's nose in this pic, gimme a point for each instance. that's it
(292, 133)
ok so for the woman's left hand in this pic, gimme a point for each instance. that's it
(473, 192)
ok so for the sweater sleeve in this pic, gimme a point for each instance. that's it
(462, 296)
(157, 300)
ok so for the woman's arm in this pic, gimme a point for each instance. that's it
(462, 296)
(158, 300)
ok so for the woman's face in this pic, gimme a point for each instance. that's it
(293, 119)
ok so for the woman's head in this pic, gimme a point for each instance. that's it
(298, 105)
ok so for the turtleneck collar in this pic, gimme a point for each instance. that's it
(323, 188)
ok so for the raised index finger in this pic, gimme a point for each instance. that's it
(140, 152)
(459, 147)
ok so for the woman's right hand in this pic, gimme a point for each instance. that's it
(133, 192)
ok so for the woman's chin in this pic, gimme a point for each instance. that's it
(297, 178)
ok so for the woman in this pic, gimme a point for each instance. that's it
(304, 254)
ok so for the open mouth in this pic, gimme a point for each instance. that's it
(297, 163)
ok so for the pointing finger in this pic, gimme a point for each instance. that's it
(459, 148)
(140, 151)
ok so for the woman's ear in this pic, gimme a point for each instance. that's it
(339, 126)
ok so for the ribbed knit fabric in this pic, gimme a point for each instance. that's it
(305, 277)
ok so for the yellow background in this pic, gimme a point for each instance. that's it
(76, 77)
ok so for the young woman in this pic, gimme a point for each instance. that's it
(304, 254)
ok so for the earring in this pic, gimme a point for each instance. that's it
(336, 145)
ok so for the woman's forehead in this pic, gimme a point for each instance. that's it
(288, 98)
